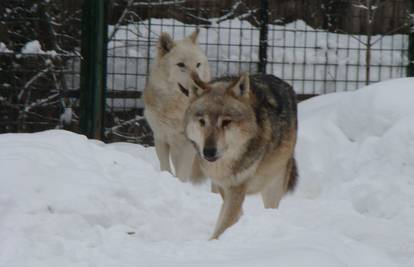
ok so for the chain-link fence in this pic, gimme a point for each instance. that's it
(318, 47)
(38, 42)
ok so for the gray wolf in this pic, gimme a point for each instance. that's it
(165, 102)
(244, 131)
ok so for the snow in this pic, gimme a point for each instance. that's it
(34, 47)
(4, 49)
(69, 201)
(66, 116)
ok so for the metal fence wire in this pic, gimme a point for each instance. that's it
(39, 41)
(319, 47)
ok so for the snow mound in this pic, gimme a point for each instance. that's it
(374, 110)
(34, 47)
(4, 49)
(358, 148)
(69, 201)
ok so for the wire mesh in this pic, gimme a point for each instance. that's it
(318, 47)
(38, 78)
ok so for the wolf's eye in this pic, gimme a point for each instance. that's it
(225, 123)
(202, 122)
(181, 65)
(198, 64)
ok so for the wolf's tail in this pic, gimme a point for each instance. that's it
(292, 175)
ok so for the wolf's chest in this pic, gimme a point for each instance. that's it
(225, 175)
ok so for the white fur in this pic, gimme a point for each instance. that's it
(165, 104)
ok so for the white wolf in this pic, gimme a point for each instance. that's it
(166, 99)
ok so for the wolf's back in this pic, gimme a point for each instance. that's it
(274, 92)
(276, 103)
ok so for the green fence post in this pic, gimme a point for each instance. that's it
(264, 29)
(410, 67)
(93, 68)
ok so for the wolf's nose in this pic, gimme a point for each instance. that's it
(209, 152)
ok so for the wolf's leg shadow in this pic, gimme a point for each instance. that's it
(163, 153)
(231, 208)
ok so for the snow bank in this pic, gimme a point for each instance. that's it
(358, 148)
(69, 201)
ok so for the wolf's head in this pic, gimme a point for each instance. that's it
(220, 120)
(178, 59)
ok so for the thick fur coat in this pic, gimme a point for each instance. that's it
(165, 102)
(244, 130)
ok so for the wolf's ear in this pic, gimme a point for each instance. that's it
(241, 88)
(193, 92)
(165, 44)
(198, 86)
(196, 91)
(194, 36)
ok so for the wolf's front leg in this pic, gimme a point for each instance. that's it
(197, 174)
(163, 153)
(233, 198)
(182, 156)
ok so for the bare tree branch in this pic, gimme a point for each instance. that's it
(121, 18)
(33, 79)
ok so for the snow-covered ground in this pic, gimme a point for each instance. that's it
(69, 201)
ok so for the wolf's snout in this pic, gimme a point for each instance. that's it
(210, 153)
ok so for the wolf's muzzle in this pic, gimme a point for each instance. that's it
(210, 153)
